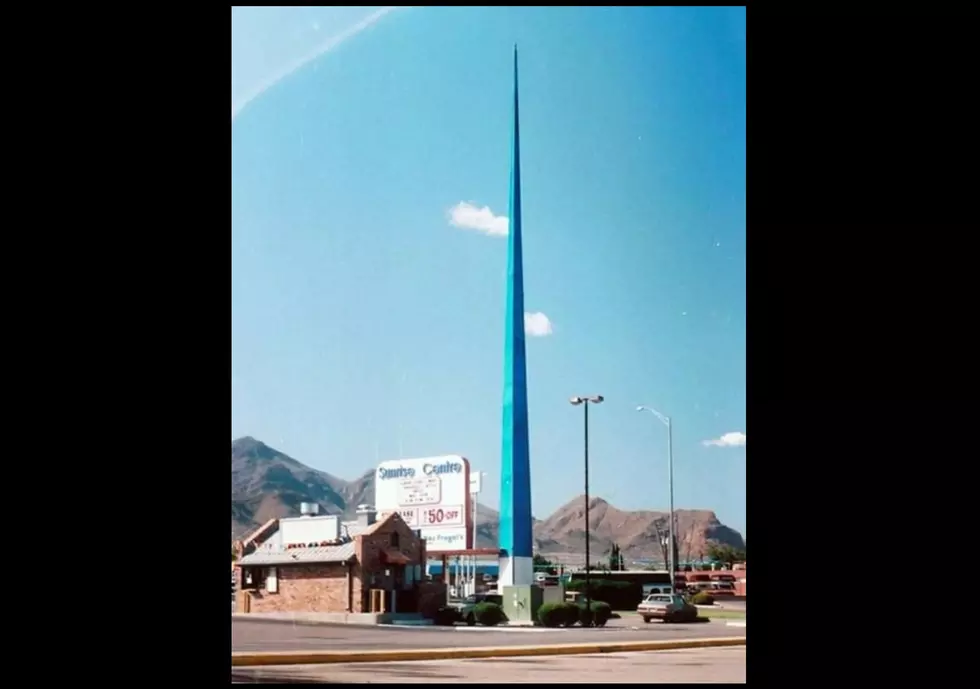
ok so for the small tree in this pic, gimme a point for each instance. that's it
(663, 535)
(661, 540)
(725, 555)
(615, 559)
(541, 563)
(688, 544)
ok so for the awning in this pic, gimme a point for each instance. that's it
(393, 557)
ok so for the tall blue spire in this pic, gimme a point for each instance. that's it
(515, 471)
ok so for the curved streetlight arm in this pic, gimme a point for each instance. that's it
(663, 417)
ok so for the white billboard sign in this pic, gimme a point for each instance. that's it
(432, 494)
(420, 491)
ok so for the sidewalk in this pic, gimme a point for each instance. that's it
(334, 618)
(329, 619)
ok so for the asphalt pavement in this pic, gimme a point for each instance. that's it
(248, 635)
(702, 665)
(727, 604)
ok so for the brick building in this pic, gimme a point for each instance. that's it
(320, 564)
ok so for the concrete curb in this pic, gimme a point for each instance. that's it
(253, 659)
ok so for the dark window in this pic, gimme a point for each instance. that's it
(394, 540)
(253, 578)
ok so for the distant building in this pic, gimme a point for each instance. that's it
(319, 564)
(720, 583)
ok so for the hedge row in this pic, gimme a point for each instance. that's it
(487, 614)
(620, 595)
(568, 614)
(624, 595)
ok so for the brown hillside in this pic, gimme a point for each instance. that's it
(266, 483)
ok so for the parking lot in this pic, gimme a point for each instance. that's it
(703, 665)
(249, 635)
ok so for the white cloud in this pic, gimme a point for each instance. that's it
(325, 47)
(467, 216)
(733, 439)
(537, 324)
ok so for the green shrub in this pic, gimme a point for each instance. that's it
(702, 598)
(596, 615)
(601, 612)
(488, 614)
(558, 614)
(446, 616)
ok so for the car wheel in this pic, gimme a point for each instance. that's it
(647, 620)
(470, 620)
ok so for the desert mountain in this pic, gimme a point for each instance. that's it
(266, 483)
(637, 533)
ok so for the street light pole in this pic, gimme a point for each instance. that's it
(670, 506)
(597, 399)
(670, 488)
(588, 574)
(474, 497)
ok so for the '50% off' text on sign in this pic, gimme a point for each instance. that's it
(442, 516)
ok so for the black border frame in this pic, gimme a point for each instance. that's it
(858, 187)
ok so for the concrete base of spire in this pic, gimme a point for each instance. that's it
(515, 571)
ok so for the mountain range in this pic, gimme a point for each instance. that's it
(266, 483)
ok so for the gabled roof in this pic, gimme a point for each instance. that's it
(259, 534)
(376, 525)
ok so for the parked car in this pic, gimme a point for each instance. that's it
(470, 602)
(669, 608)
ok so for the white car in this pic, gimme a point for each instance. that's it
(666, 607)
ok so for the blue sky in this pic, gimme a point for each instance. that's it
(370, 167)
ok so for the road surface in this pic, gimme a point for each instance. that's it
(705, 665)
(247, 635)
